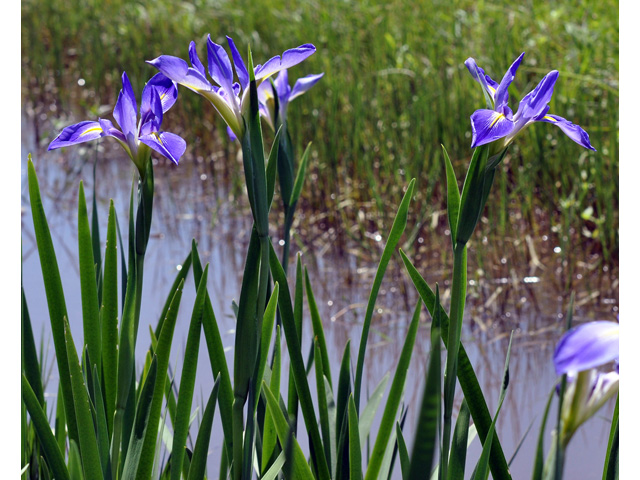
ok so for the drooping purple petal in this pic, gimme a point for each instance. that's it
(488, 126)
(178, 70)
(487, 83)
(571, 130)
(587, 346)
(108, 130)
(502, 93)
(195, 60)
(126, 110)
(166, 90)
(534, 103)
(303, 84)
(289, 58)
(78, 133)
(167, 144)
(241, 69)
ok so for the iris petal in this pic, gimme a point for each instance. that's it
(195, 60)
(282, 87)
(75, 134)
(178, 70)
(534, 103)
(241, 69)
(166, 90)
(151, 119)
(304, 84)
(488, 85)
(289, 58)
(488, 126)
(502, 93)
(168, 145)
(219, 64)
(126, 110)
(571, 130)
(587, 346)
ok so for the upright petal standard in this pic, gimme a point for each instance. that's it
(229, 98)
(137, 137)
(497, 122)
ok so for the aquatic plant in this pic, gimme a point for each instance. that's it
(109, 419)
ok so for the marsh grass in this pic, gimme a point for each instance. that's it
(394, 89)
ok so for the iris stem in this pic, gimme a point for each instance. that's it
(456, 312)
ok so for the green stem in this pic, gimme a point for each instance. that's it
(456, 312)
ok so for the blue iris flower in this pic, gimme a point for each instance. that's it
(137, 137)
(500, 123)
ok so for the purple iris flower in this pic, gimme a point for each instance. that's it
(229, 98)
(498, 123)
(578, 354)
(587, 346)
(158, 96)
(285, 95)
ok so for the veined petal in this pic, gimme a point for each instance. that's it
(534, 103)
(221, 72)
(289, 58)
(571, 130)
(195, 60)
(219, 65)
(488, 126)
(167, 144)
(587, 346)
(165, 88)
(126, 110)
(303, 84)
(178, 70)
(241, 69)
(487, 83)
(78, 133)
(502, 93)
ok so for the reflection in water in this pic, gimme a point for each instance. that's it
(507, 291)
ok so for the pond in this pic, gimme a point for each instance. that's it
(508, 290)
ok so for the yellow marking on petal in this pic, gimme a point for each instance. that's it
(493, 90)
(92, 129)
(551, 119)
(158, 138)
(497, 119)
(163, 95)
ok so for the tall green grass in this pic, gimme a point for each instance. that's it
(395, 88)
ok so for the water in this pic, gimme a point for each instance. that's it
(508, 289)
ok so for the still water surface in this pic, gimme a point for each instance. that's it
(194, 201)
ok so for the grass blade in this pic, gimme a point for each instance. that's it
(538, 462)
(109, 318)
(88, 441)
(198, 466)
(403, 453)
(187, 380)
(270, 436)
(302, 172)
(393, 402)
(52, 453)
(482, 468)
(369, 411)
(323, 408)
(101, 424)
(300, 467)
(466, 376)
(88, 287)
(55, 296)
(355, 453)
(299, 374)
(318, 331)
(612, 458)
(453, 194)
(397, 229)
(424, 445)
(30, 364)
(265, 339)
(141, 423)
(292, 401)
(458, 457)
(162, 353)
(217, 356)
